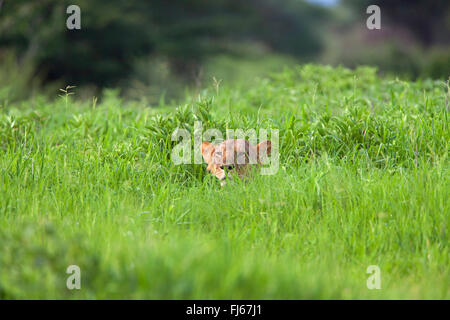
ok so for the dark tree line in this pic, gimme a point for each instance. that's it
(185, 32)
(115, 31)
(428, 20)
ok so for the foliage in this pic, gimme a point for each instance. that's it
(363, 180)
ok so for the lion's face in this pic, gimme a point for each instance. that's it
(233, 157)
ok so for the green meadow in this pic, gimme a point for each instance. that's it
(363, 180)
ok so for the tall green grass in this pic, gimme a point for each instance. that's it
(363, 180)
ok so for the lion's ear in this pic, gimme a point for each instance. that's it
(263, 149)
(207, 151)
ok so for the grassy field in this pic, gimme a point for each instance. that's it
(363, 180)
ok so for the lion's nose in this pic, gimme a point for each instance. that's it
(228, 167)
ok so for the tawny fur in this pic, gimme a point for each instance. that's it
(234, 156)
